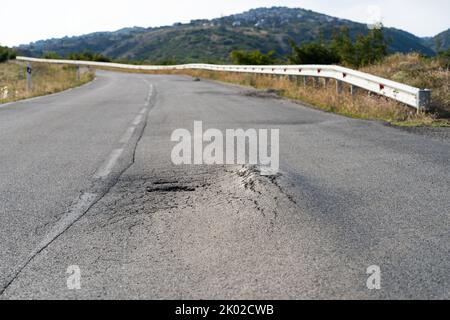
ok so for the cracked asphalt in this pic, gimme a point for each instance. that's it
(350, 194)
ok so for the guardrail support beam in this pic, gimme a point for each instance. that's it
(413, 97)
(424, 98)
(339, 86)
(29, 79)
(316, 82)
(78, 73)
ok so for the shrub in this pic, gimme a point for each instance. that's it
(6, 54)
(444, 58)
(51, 55)
(312, 53)
(88, 56)
(367, 49)
(252, 58)
(370, 49)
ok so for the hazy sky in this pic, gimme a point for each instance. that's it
(30, 20)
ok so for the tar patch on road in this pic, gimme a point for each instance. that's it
(168, 231)
(265, 94)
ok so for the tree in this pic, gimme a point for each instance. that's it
(367, 49)
(312, 53)
(343, 45)
(88, 56)
(252, 57)
(51, 55)
(6, 54)
(371, 48)
(444, 58)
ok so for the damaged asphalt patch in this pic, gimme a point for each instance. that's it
(197, 233)
(151, 220)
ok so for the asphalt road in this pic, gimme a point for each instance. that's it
(86, 180)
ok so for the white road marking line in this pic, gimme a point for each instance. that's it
(86, 200)
(109, 164)
(149, 97)
(127, 136)
(76, 211)
(137, 120)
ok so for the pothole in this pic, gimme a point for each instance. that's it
(170, 188)
(267, 94)
(164, 182)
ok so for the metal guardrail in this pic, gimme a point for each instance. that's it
(414, 97)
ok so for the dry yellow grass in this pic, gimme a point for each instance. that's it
(47, 79)
(323, 96)
(419, 72)
(409, 69)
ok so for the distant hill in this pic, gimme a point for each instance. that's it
(212, 40)
(443, 38)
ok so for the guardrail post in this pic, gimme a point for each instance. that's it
(353, 90)
(29, 80)
(305, 81)
(78, 73)
(338, 86)
(316, 82)
(424, 99)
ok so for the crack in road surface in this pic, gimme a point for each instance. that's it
(351, 194)
(158, 206)
(104, 179)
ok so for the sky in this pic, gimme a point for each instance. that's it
(30, 20)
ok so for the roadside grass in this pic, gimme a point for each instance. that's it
(410, 69)
(420, 72)
(46, 79)
(323, 96)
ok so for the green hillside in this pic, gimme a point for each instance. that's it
(442, 41)
(262, 29)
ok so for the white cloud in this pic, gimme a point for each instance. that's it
(25, 21)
